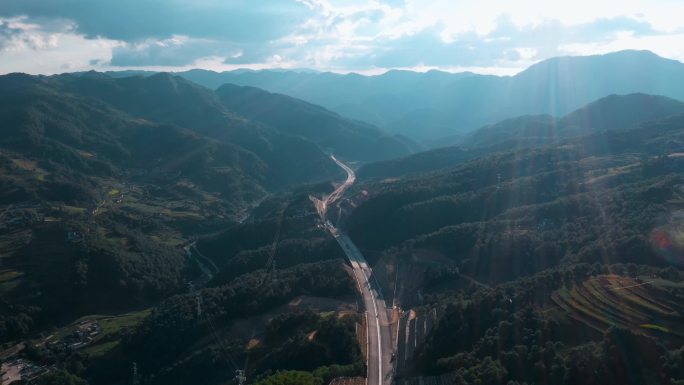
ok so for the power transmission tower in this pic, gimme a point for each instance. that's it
(135, 374)
(274, 279)
(198, 299)
(270, 265)
(241, 377)
(214, 333)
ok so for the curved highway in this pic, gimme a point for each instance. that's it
(377, 320)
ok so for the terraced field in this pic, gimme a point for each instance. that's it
(644, 306)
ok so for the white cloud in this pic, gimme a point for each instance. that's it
(670, 46)
(491, 36)
(16, 34)
(36, 48)
(500, 34)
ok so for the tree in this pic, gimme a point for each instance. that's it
(291, 378)
(61, 377)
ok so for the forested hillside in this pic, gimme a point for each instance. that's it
(116, 193)
(336, 192)
(350, 139)
(543, 261)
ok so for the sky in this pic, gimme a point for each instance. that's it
(485, 36)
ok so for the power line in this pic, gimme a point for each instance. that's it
(276, 237)
(198, 299)
(274, 278)
(223, 347)
(206, 317)
(270, 266)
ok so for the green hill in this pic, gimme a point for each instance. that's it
(511, 253)
(350, 139)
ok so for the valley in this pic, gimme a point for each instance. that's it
(156, 231)
(380, 346)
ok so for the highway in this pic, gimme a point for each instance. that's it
(322, 205)
(379, 338)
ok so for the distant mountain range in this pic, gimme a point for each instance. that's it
(427, 106)
(614, 113)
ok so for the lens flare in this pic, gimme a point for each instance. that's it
(668, 239)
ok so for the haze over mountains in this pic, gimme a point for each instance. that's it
(426, 106)
(351, 139)
(614, 113)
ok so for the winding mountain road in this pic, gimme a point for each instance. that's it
(377, 320)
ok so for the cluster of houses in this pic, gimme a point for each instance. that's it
(21, 371)
(16, 370)
(83, 335)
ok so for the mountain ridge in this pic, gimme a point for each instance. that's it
(464, 101)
